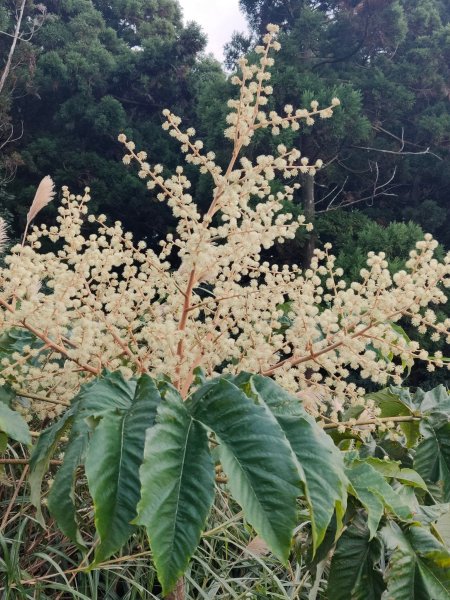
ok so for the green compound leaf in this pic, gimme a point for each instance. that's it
(443, 527)
(14, 425)
(177, 478)
(112, 466)
(109, 397)
(375, 494)
(279, 401)
(391, 469)
(397, 402)
(353, 571)
(324, 478)
(255, 454)
(7, 394)
(109, 392)
(436, 400)
(15, 339)
(432, 459)
(419, 567)
(40, 458)
(321, 466)
(61, 500)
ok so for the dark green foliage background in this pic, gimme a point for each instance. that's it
(96, 68)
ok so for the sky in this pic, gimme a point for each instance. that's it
(218, 19)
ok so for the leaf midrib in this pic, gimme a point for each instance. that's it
(175, 520)
(440, 455)
(251, 488)
(421, 564)
(119, 471)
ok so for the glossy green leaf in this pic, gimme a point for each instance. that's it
(321, 464)
(177, 489)
(354, 573)
(436, 400)
(402, 334)
(61, 500)
(422, 514)
(14, 425)
(419, 566)
(322, 472)
(255, 454)
(443, 527)
(399, 329)
(392, 399)
(15, 339)
(427, 515)
(387, 468)
(432, 459)
(412, 478)
(353, 412)
(392, 469)
(109, 392)
(375, 494)
(278, 400)
(96, 398)
(112, 466)
(40, 458)
(397, 402)
(7, 394)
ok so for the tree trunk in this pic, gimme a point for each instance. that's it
(310, 210)
(16, 35)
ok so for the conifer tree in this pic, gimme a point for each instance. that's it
(104, 67)
(393, 57)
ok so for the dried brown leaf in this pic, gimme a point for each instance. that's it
(257, 547)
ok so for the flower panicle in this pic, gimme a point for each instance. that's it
(206, 296)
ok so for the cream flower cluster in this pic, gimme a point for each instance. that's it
(103, 301)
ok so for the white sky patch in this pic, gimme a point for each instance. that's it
(218, 19)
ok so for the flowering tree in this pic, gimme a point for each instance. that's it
(204, 352)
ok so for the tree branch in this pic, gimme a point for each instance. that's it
(352, 424)
(7, 68)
